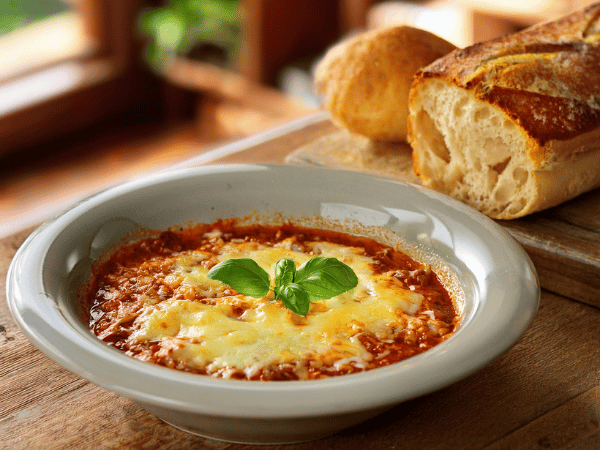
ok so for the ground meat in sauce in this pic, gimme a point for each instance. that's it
(121, 285)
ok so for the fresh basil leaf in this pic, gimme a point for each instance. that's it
(325, 277)
(244, 275)
(317, 279)
(285, 270)
(294, 297)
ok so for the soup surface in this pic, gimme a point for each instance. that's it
(153, 300)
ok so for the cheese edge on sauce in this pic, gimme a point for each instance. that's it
(211, 337)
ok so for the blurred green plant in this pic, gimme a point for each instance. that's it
(16, 14)
(183, 26)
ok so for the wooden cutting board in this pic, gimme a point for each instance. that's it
(563, 242)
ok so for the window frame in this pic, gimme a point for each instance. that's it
(113, 79)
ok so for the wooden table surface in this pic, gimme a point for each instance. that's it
(544, 393)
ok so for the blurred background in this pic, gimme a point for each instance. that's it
(96, 92)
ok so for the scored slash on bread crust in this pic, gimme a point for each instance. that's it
(512, 126)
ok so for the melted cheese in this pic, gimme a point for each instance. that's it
(213, 338)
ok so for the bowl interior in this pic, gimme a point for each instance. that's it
(478, 254)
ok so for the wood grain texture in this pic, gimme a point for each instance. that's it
(544, 391)
(344, 150)
(574, 425)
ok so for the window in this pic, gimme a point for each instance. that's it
(35, 35)
(68, 69)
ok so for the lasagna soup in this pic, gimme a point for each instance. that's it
(153, 300)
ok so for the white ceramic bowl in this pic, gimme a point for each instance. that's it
(499, 281)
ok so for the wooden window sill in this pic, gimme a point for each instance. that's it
(68, 72)
(52, 83)
(55, 100)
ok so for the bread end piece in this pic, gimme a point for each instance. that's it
(483, 134)
(365, 80)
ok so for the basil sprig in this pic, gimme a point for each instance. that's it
(318, 278)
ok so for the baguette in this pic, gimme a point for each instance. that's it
(511, 126)
(365, 79)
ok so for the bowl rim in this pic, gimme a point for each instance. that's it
(500, 318)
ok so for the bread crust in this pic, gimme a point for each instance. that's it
(365, 80)
(542, 87)
(546, 78)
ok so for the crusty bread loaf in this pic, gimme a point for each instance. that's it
(512, 126)
(365, 79)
